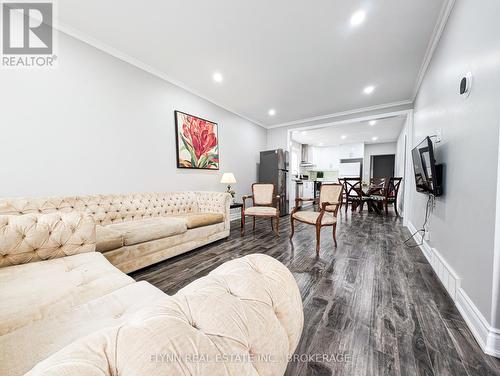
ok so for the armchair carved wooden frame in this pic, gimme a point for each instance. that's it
(266, 204)
(330, 201)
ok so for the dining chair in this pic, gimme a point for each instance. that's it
(330, 200)
(388, 194)
(265, 204)
(353, 193)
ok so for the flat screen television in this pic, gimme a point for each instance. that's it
(428, 174)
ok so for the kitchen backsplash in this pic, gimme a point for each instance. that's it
(327, 175)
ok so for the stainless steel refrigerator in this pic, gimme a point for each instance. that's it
(273, 169)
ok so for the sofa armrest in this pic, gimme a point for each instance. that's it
(215, 202)
(35, 237)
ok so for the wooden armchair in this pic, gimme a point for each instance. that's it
(330, 200)
(265, 204)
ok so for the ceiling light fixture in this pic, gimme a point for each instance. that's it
(369, 89)
(372, 122)
(374, 138)
(343, 137)
(271, 112)
(218, 77)
(320, 144)
(358, 18)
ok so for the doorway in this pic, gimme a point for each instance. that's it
(383, 165)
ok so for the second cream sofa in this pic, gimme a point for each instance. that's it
(76, 314)
(135, 230)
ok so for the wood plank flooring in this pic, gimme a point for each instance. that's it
(372, 306)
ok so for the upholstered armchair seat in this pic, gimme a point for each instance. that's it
(262, 211)
(311, 217)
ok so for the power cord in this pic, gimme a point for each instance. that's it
(428, 209)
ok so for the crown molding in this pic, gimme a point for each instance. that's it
(433, 43)
(342, 113)
(74, 33)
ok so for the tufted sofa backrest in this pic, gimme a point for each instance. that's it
(35, 237)
(106, 209)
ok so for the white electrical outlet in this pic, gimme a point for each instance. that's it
(427, 236)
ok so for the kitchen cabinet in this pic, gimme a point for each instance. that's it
(325, 158)
(351, 151)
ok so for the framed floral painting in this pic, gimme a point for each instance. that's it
(197, 142)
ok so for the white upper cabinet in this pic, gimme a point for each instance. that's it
(325, 158)
(350, 151)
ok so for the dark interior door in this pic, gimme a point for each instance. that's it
(383, 165)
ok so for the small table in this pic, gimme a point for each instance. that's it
(236, 205)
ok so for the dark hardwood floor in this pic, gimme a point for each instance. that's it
(372, 306)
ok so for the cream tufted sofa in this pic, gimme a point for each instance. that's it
(132, 230)
(79, 315)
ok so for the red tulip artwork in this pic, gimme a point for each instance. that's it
(197, 142)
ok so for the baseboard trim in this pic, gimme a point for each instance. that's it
(447, 276)
(486, 336)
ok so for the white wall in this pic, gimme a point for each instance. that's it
(96, 124)
(375, 149)
(463, 222)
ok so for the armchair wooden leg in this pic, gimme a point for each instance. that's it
(272, 223)
(292, 224)
(318, 238)
(242, 224)
(335, 234)
(278, 225)
(253, 217)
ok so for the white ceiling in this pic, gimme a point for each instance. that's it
(386, 130)
(301, 58)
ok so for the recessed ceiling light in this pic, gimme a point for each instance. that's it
(218, 77)
(304, 132)
(271, 112)
(320, 144)
(374, 138)
(372, 122)
(358, 17)
(369, 89)
(343, 137)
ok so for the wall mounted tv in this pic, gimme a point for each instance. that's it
(428, 174)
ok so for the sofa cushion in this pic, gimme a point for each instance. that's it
(195, 220)
(144, 230)
(39, 290)
(23, 348)
(107, 239)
